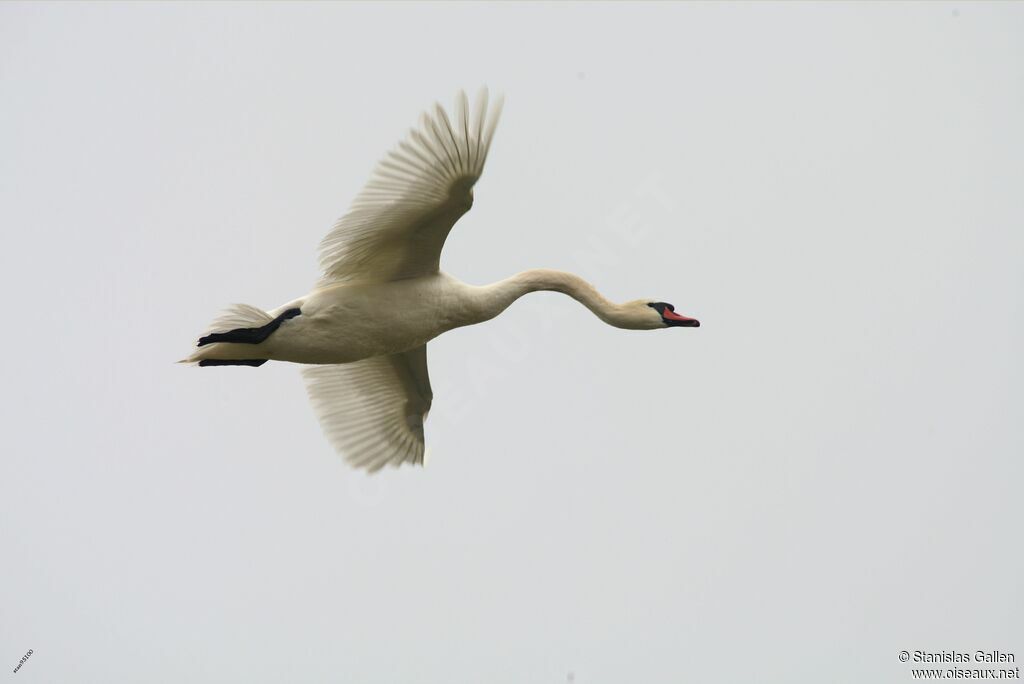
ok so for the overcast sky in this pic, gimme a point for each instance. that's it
(826, 473)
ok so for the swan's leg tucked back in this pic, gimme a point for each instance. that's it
(255, 363)
(250, 335)
(238, 336)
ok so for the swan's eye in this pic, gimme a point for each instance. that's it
(661, 306)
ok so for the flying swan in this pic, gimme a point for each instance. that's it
(362, 332)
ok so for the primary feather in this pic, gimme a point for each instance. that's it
(372, 411)
(397, 225)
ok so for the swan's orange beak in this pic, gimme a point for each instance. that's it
(673, 319)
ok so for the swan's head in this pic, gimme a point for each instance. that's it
(668, 318)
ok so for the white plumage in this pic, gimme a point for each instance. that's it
(363, 330)
(373, 410)
(398, 223)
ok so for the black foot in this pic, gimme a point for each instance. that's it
(255, 363)
(250, 335)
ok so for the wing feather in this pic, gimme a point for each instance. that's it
(372, 411)
(397, 225)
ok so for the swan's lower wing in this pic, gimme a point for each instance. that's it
(372, 411)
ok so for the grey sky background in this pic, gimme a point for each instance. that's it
(826, 473)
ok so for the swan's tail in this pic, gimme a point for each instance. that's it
(237, 317)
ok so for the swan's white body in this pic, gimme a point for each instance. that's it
(353, 321)
(363, 330)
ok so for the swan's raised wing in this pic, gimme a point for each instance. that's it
(372, 411)
(398, 224)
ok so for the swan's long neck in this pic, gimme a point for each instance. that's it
(495, 298)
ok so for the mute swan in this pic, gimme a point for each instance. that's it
(363, 329)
